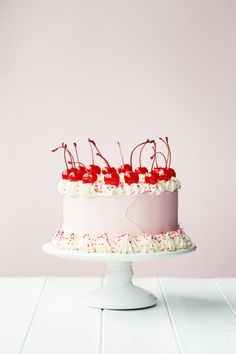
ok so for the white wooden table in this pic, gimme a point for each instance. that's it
(47, 316)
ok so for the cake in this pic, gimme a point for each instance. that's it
(120, 210)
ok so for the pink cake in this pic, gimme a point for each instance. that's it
(120, 210)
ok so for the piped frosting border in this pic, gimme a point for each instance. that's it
(121, 244)
(99, 188)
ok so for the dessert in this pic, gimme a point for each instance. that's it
(123, 209)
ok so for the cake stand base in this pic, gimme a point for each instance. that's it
(119, 293)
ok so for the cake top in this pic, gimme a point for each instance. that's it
(126, 179)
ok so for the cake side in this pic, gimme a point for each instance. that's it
(138, 214)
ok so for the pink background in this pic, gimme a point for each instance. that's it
(113, 70)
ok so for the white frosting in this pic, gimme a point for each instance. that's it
(124, 244)
(74, 189)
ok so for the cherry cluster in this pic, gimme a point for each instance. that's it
(77, 171)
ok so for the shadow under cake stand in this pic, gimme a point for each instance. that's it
(118, 293)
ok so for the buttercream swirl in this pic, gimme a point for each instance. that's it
(99, 188)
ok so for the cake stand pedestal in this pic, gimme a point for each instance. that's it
(118, 292)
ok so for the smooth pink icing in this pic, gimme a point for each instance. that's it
(139, 214)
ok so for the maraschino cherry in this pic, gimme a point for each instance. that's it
(131, 177)
(107, 168)
(151, 177)
(93, 168)
(112, 178)
(169, 171)
(81, 167)
(158, 170)
(76, 173)
(141, 169)
(66, 173)
(125, 167)
(110, 174)
(89, 177)
(163, 174)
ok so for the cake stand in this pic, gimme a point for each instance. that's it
(118, 293)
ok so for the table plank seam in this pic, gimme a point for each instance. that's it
(101, 332)
(33, 315)
(100, 349)
(174, 329)
(224, 296)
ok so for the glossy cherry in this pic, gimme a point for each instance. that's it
(163, 174)
(81, 169)
(108, 169)
(141, 170)
(171, 172)
(151, 178)
(89, 177)
(124, 168)
(94, 169)
(112, 178)
(75, 175)
(65, 174)
(131, 177)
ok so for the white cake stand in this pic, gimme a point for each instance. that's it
(118, 293)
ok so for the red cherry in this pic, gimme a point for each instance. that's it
(159, 170)
(75, 175)
(163, 174)
(141, 170)
(131, 177)
(151, 178)
(108, 169)
(89, 177)
(94, 168)
(65, 173)
(156, 170)
(164, 177)
(112, 178)
(171, 172)
(124, 168)
(81, 169)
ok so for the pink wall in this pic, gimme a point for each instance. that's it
(117, 69)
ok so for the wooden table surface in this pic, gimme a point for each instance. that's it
(47, 316)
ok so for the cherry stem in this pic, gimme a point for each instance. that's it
(132, 152)
(94, 144)
(76, 152)
(64, 146)
(122, 157)
(71, 156)
(140, 154)
(91, 148)
(166, 142)
(155, 156)
(98, 151)
(65, 159)
(107, 163)
(79, 163)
